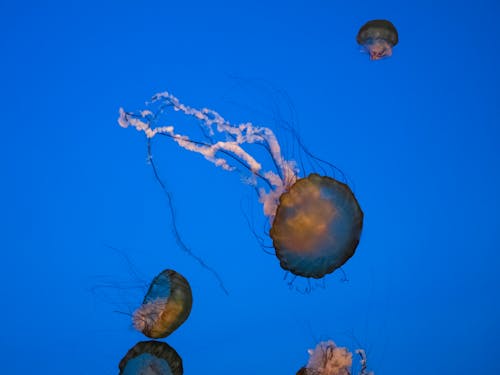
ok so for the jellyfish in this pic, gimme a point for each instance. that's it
(166, 306)
(315, 220)
(317, 226)
(151, 358)
(378, 37)
(329, 359)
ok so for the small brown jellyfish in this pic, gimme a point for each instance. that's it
(151, 357)
(378, 37)
(166, 306)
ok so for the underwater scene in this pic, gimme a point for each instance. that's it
(280, 187)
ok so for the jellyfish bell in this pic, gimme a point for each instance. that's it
(151, 358)
(166, 306)
(378, 37)
(317, 226)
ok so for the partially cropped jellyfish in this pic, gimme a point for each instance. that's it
(378, 37)
(329, 359)
(166, 306)
(315, 220)
(151, 358)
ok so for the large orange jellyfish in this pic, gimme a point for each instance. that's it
(315, 221)
(166, 306)
(317, 226)
(378, 37)
(151, 357)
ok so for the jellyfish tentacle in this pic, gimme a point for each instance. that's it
(180, 242)
(240, 134)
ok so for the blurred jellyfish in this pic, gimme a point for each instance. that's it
(315, 220)
(151, 358)
(166, 306)
(329, 359)
(378, 37)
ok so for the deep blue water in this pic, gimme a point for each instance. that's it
(85, 225)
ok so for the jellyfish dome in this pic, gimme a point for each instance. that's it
(317, 226)
(378, 37)
(151, 358)
(166, 306)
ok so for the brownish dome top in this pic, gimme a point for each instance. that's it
(378, 29)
